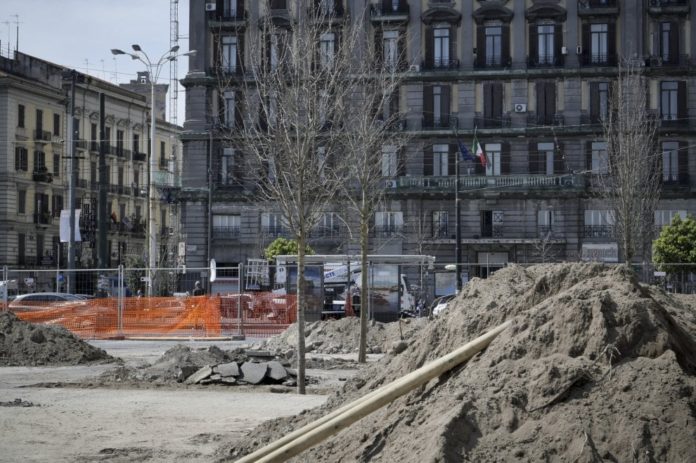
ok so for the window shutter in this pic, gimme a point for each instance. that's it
(586, 41)
(611, 43)
(558, 42)
(505, 46)
(221, 109)
(540, 102)
(453, 47)
(338, 7)
(550, 91)
(402, 57)
(533, 44)
(674, 42)
(379, 44)
(428, 105)
(497, 110)
(558, 162)
(429, 39)
(452, 159)
(588, 156)
(480, 46)
(401, 162)
(683, 163)
(217, 59)
(18, 158)
(240, 52)
(488, 91)
(428, 161)
(681, 101)
(238, 117)
(594, 101)
(504, 158)
(445, 105)
(533, 159)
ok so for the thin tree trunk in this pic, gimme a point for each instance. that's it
(300, 314)
(362, 352)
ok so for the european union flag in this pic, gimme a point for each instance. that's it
(465, 153)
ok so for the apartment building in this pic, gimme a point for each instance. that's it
(34, 97)
(530, 79)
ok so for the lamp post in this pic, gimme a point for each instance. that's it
(153, 69)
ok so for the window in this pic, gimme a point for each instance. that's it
(56, 165)
(441, 44)
(163, 156)
(389, 161)
(39, 161)
(668, 42)
(57, 205)
(440, 160)
(119, 142)
(486, 224)
(669, 94)
(21, 202)
(327, 49)
(229, 53)
(329, 225)
(93, 173)
(276, 49)
(670, 161)
(665, 217)
(390, 49)
(136, 182)
(93, 145)
(493, 45)
(545, 221)
(326, 7)
(546, 158)
(599, 223)
(230, 8)
(388, 223)
(599, 42)
(493, 158)
(600, 159)
(229, 103)
(226, 224)
(119, 177)
(492, 104)
(440, 224)
(272, 223)
(436, 106)
(545, 44)
(39, 123)
(136, 143)
(546, 103)
(227, 167)
(21, 159)
(107, 135)
(20, 116)
(599, 101)
(56, 125)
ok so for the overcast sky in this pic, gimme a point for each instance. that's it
(80, 34)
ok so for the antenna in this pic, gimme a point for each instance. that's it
(17, 23)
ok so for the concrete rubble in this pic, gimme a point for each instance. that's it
(254, 373)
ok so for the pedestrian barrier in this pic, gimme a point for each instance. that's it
(263, 314)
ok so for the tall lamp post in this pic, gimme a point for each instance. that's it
(153, 69)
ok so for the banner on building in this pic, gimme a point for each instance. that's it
(65, 225)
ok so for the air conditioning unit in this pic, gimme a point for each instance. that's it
(390, 184)
(521, 107)
(414, 68)
(578, 50)
(564, 50)
(210, 6)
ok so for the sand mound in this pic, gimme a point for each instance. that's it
(342, 336)
(595, 367)
(27, 344)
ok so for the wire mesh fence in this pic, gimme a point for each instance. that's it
(244, 301)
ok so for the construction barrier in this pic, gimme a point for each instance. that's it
(262, 314)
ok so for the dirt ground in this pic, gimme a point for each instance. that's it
(85, 423)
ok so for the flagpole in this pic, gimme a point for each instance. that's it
(458, 213)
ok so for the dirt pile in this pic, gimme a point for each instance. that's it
(27, 344)
(595, 367)
(342, 336)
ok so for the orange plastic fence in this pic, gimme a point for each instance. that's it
(262, 314)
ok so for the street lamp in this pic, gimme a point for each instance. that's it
(153, 69)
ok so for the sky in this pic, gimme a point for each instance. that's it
(80, 34)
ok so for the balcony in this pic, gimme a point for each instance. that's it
(43, 218)
(511, 183)
(387, 12)
(394, 125)
(673, 121)
(388, 231)
(164, 179)
(440, 64)
(493, 62)
(534, 119)
(326, 232)
(226, 17)
(502, 122)
(229, 232)
(442, 123)
(661, 7)
(94, 146)
(657, 62)
(441, 232)
(42, 135)
(598, 59)
(675, 181)
(326, 10)
(274, 231)
(221, 71)
(598, 231)
(42, 175)
(138, 156)
(81, 144)
(545, 61)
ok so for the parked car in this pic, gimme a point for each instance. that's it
(440, 304)
(39, 301)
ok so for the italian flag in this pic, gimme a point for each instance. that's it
(478, 151)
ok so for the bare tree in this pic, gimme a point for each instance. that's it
(290, 111)
(372, 142)
(632, 184)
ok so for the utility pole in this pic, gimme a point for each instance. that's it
(71, 183)
(102, 213)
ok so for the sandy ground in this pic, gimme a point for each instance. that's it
(130, 425)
